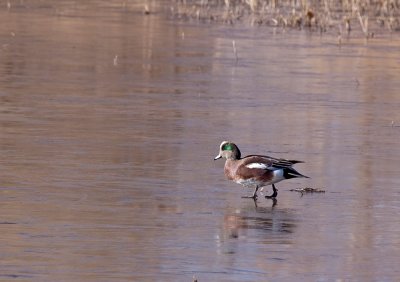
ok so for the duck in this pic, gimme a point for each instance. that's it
(256, 170)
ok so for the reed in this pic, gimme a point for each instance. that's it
(364, 24)
(314, 15)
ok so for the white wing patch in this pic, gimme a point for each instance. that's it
(257, 165)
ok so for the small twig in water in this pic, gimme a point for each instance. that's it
(234, 50)
(146, 10)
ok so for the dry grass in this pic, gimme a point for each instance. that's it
(319, 16)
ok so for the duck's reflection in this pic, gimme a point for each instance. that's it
(261, 223)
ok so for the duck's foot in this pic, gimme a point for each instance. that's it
(274, 194)
(254, 197)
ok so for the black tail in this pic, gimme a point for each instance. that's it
(296, 162)
(292, 173)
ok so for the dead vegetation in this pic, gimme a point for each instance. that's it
(319, 16)
(308, 190)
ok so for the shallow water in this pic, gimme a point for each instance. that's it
(109, 122)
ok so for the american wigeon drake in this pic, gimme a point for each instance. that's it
(255, 170)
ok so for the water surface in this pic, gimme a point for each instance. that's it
(109, 122)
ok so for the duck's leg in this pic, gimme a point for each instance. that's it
(254, 196)
(274, 194)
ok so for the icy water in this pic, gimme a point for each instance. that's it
(110, 120)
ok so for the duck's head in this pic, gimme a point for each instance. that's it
(228, 150)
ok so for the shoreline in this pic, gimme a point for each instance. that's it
(344, 22)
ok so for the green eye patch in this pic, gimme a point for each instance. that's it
(227, 147)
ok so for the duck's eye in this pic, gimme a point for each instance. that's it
(227, 147)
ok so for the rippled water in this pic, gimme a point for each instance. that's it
(109, 122)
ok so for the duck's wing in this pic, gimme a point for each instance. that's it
(256, 165)
(266, 162)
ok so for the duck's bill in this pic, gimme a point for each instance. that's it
(217, 157)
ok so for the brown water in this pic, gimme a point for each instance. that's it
(110, 119)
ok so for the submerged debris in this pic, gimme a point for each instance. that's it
(308, 190)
